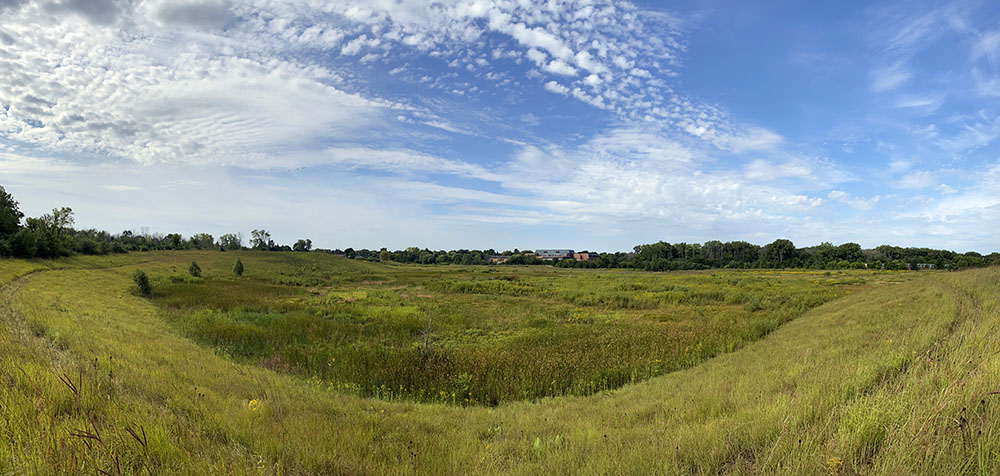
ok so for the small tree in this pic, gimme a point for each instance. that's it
(142, 282)
(384, 255)
(302, 245)
(231, 241)
(194, 269)
(238, 268)
(261, 240)
(202, 241)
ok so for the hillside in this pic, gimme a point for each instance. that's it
(896, 373)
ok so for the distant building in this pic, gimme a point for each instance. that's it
(554, 254)
(586, 256)
(499, 259)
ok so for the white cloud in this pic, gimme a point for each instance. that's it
(555, 87)
(945, 189)
(12, 163)
(854, 202)
(530, 119)
(354, 46)
(899, 165)
(916, 180)
(889, 77)
(537, 57)
(399, 161)
(204, 14)
(987, 46)
(763, 170)
(560, 67)
(744, 139)
(120, 188)
(923, 104)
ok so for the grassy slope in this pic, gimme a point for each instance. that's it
(890, 381)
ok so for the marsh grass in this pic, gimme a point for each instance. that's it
(498, 337)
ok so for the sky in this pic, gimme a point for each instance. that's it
(506, 124)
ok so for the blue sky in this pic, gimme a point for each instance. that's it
(506, 123)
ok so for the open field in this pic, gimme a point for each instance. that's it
(569, 371)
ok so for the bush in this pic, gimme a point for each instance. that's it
(142, 282)
(194, 269)
(238, 269)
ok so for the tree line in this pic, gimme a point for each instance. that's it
(52, 235)
(663, 256)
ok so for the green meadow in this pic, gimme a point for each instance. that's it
(314, 364)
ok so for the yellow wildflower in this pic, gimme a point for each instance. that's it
(834, 464)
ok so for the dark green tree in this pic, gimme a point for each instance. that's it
(24, 243)
(142, 282)
(238, 268)
(781, 251)
(194, 269)
(10, 216)
(302, 245)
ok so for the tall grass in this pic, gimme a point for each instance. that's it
(894, 379)
(496, 339)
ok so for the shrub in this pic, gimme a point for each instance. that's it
(87, 246)
(238, 268)
(142, 282)
(194, 269)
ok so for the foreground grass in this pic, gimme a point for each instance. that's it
(892, 380)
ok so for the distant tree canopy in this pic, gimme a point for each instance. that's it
(302, 245)
(261, 240)
(52, 235)
(202, 241)
(663, 256)
(230, 241)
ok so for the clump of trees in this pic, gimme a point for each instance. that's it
(194, 269)
(47, 236)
